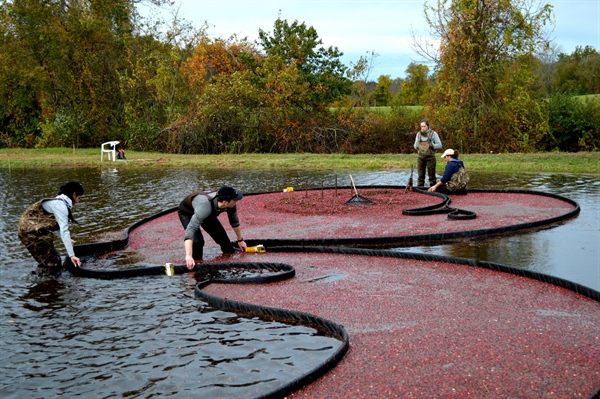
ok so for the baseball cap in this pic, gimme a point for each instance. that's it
(449, 151)
(227, 193)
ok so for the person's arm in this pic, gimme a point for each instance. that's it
(240, 238)
(202, 209)
(416, 145)
(61, 214)
(435, 140)
(234, 221)
(189, 259)
(188, 240)
(449, 170)
(435, 186)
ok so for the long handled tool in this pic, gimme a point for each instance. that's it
(357, 199)
(409, 186)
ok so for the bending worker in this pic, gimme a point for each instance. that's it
(46, 216)
(202, 208)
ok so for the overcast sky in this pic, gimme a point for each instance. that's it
(358, 27)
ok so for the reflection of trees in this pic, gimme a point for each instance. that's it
(556, 183)
(522, 250)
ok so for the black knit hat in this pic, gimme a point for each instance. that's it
(227, 193)
(71, 187)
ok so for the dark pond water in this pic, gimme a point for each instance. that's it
(140, 337)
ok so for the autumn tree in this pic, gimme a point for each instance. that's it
(416, 86)
(66, 71)
(483, 95)
(73, 49)
(359, 74)
(545, 68)
(578, 73)
(318, 67)
(225, 108)
(154, 90)
(300, 79)
(214, 59)
(382, 95)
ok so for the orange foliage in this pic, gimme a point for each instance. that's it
(212, 58)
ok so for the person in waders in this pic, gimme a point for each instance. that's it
(426, 142)
(201, 209)
(39, 222)
(455, 178)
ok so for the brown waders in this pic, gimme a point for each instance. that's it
(426, 163)
(36, 228)
(426, 160)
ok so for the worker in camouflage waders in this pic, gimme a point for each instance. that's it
(426, 142)
(39, 222)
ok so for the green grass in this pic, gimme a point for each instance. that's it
(556, 162)
(387, 110)
(588, 97)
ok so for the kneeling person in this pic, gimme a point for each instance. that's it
(455, 178)
(201, 209)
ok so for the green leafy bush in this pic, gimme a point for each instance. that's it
(574, 123)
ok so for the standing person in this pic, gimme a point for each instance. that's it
(455, 178)
(202, 208)
(426, 142)
(46, 216)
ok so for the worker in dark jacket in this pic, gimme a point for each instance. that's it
(455, 178)
(201, 209)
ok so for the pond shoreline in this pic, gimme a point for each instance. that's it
(550, 162)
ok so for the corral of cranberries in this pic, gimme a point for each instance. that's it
(417, 329)
(332, 202)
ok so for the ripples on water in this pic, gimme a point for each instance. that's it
(144, 337)
(149, 337)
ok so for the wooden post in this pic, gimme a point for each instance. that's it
(336, 185)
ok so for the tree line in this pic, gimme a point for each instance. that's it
(81, 72)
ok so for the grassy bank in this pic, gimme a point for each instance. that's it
(582, 162)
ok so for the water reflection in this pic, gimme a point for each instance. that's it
(45, 293)
(515, 251)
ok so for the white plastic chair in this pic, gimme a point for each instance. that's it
(110, 148)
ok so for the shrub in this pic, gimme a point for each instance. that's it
(573, 124)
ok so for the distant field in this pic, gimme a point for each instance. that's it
(419, 108)
(588, 97)
(386, 110)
